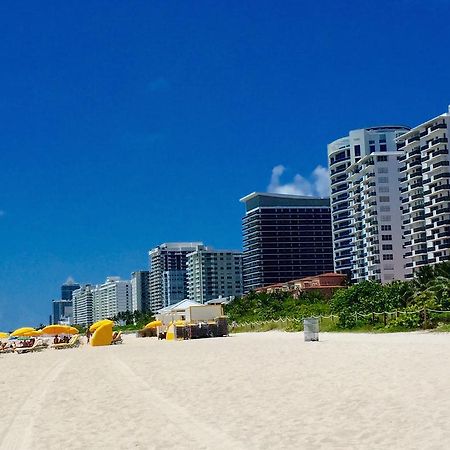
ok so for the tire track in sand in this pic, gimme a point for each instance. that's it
(19, 434)
(192, 429)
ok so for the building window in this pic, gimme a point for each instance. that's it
(386, 218)
(386, 247)
(371, 148)
(382, 170)
(388, 257)
(383, 189)
(386, 227)
(382, 138)
(383, 148)
(386, 237)
(357, 150)
(383, 180)
(382, 158)
(384, 198)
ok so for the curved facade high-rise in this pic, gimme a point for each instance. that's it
(342, 154)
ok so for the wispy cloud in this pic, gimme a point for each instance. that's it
(158, 84)
(317, 183)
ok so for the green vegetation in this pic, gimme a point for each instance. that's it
(132, 320)
(366, 306)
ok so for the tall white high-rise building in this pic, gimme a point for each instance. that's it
(82, 300)
(111, 297)
(168, 277)
(214, 273)
(425, 187)
(374, 205)
(342, 153)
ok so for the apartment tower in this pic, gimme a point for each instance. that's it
(213, 274)
(342, 153)
(168, 273)
(285, 237)
(374, 206)
(425, 191)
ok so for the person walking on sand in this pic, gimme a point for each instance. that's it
(88, 334)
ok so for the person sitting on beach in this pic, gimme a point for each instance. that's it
(114, 335)
(56, 340)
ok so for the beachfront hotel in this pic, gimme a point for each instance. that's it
(374, 209)
(425, 191)
(110, 298)
(343, 153)
(82, 300)
(140, 290)
(168, 273)
(212, 274)
(285, 237)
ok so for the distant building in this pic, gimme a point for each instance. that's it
(214, 273)
(111, 297)
(140, 290)
(62, 311)
(326, 284)
(83, 305)
(425, 191)
(168, 277)
(285, 237)
(342, 153)
(67, 289)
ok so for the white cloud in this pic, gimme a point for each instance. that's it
(317, 184)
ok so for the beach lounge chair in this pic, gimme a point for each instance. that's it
(7, 350)
(36, 347)
(117, 339)
(74, 342)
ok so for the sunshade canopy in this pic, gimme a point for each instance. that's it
(154, 324)
(59, 329)
(19, 331)
(3, 335)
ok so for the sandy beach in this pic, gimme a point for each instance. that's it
(253, 391)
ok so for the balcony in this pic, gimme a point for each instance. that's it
(438, 126)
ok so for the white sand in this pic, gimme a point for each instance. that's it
(252, 391)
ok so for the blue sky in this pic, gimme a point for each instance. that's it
(127, 124)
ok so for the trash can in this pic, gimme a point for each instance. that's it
(311, 329)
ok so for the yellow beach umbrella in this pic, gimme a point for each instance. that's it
(59, 329)
(3, 335)
(30, 333)
(98, 324)
(19, 331)
(154, 324)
